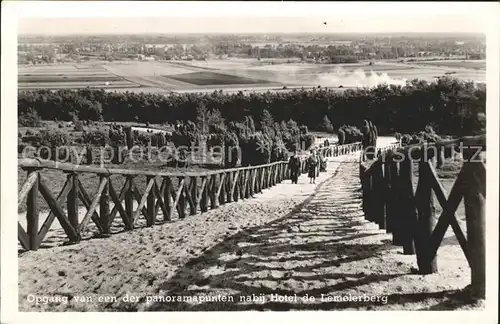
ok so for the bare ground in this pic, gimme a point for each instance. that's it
(292, 239)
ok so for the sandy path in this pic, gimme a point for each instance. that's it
(324, 248)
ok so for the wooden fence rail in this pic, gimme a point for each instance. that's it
(390, 201)
(175, 194)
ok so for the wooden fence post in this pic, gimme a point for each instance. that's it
(167, 198)
(378, 192)
(150, 208)
(369, 197)
(475, 203)
(104, 206)
(235, 186)
(204, 196)
(229, 186)
(194, 194)
(426, 214)
(129, 137)
(72, 200)
(440, 157)
(129, 202)
(89, 155)
(246, 184)
(222, 184)
(32, 213)
(406, 222)
(181, 205)
(392, 207)
(388, 192)
(213, 191)
(364, 187)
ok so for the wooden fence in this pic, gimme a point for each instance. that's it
(389, 200)
(182, 193)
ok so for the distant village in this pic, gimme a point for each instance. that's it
(309, 50)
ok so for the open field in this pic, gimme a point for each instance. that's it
(70, 76)
(208, 78)
(476, 65)
(237, 75)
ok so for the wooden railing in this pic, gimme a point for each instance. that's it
(171, 193)
(336, 150)
(382, 150)
(390, 201)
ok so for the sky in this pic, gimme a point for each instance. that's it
(54, 26)
(67, 17)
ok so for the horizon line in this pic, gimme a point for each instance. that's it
(260, 33)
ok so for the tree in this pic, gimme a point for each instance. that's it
(250, 123)
(341, 136)
(202, 118)
(29, 118)
(396, 106)
(266, 120)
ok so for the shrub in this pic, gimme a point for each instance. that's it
(350, 134)
(242, 131)
(327, 125)
(429, 129)
(185, 135)
(374, 134)
(215, 141)
(266, 119)
(367, 134)
(341, 136)
(231, 147)
(29, 118)
(20, 145)
(257, 150)
(278, 152)
(307, 140)
(55, 141)
(117, 137)
(143, 138)
(250, 123)
(53, 138)
(96, 137)
(78, 125)
(415, 139)
(406, 139)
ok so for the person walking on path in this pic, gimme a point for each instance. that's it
(318, 159)
(312, 165)
(294, 166)
(322, 163)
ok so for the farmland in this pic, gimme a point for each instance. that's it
(457, 64)
(69, 76)
(236, 75)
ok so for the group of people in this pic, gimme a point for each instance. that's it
(315, 163)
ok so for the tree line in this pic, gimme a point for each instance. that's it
(449, 105)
